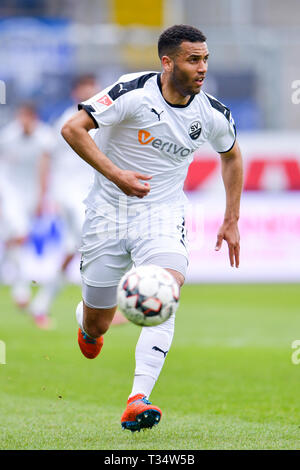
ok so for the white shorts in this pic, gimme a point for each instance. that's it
(106, 297)
(111, 246)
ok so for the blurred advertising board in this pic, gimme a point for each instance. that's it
(270, 238)
(270, 212)
(271, 162)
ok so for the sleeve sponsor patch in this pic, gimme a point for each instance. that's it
(105, 100)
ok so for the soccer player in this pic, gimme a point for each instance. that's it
(25, 148)
(149, 124)
(70, 180)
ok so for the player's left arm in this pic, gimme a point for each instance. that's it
(232, 174)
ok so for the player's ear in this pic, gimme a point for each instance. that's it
(167, 63)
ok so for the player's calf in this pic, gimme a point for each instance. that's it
(96, 321)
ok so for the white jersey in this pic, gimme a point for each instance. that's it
(69, 173)
(20, 156)
(140, 131)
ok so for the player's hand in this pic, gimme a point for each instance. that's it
(130, 183)
(230, 233)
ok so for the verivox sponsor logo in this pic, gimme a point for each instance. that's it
(145, 138)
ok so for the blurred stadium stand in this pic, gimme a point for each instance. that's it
(254, 50)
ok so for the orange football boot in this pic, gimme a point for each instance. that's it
(89, 347)
(140, 414)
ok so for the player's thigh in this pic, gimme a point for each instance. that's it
(175, 263)
(104, 261)
(178, 276)
(100, 278)
(99, 298)
(104, 271)
(104, 257)
(167, 251)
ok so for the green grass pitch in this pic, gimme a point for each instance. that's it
(228, 381)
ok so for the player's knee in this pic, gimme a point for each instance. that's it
(178, 276)
(180, 279)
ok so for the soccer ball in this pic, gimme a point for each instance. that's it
(148, 295)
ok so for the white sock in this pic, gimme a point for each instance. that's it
(44, 298)
(142, 384)
(79, 315)
(151, 350)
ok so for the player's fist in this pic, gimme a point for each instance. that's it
(131, 183)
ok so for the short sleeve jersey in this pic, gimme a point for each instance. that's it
(140, 131)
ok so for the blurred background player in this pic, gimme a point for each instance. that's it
(70, 179)
(25, 147)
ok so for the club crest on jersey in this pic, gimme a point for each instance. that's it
(195, 130)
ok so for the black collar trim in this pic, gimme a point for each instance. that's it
(171, 104)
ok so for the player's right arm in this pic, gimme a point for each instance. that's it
(75, 132)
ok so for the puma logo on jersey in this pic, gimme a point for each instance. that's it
(157, 114)
(122, 87)
(160, 350)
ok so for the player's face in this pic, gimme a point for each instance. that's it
(28, 120)
(190, 67)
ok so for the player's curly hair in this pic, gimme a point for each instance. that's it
(171, 38)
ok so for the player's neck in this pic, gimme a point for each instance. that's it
(170, 93)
